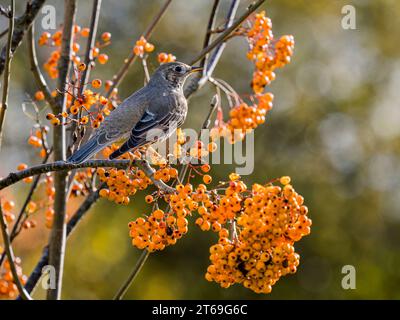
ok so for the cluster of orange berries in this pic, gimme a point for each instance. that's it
(142, 46)
(266, 52)
(121, 184)
(54, 40)
(36, 140)
(8, 289)
(244, 117)
(161, 229)
(165, 57)
(260, 248)
(83, 105)
(7, 207)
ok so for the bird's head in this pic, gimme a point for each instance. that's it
(173, 74)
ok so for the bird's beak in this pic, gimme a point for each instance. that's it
(195, 69)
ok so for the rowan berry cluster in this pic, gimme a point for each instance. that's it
(266, 52)
(54, 40)
(121, 184)
(8, 289)
(165, 57)
(244, 117)
(142, 46)
(161, 229)
(259, 249)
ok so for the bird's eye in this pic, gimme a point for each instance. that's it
(178, 69)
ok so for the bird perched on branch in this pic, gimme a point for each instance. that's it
(157, 107)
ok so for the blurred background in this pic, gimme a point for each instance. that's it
(334, 129)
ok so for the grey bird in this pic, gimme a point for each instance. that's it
(157, 106)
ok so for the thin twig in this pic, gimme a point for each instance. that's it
(22, 24)
(219, 50)
(9, 56)
(78, 215)
(10, 256)
(222, 37)
(210, 26)
(14, 230)
(210, 64)
(37, 74)
(132, 57)
(139, 265)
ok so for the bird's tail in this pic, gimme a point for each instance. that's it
(86, 151)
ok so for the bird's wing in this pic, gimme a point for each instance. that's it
(119, 123)
(150, 128)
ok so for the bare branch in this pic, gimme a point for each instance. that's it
(44, 259)
(139, 264)
(58, 231)
(14, 177)
(222, 37)
(22, 213)
(132, 57)
(210, 27)
(91, 42)
(8, 58)
(37, 74)
(22, 24)
(10, 256)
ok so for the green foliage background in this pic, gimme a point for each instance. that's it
(334, 129)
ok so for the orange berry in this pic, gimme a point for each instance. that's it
(96, 83)
(207, 179)
(50, 116)
(22, 166)
(104, 193)
(8, 205)
(106, 36)
(85, 32)
(39, 95)
(284, 180)
(149, 198)
(75, 47)
(103, 58)
(55, 121)
(82, 66)
(158, 214)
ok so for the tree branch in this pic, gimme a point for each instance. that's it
(139, 265)
(219, 43)
(14, 177)
(210, 26)
(58, 231)
(224, 35)
(14, 231)
(37, 74)
(79, 214)
(91, 42)
(132, 57)
(22, 24)
(8, 58)
(10, 256)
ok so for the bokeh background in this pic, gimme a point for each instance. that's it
(334, 129)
